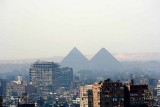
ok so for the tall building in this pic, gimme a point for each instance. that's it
(43, 75)
(104, 94)
(86, 96)
(66, 77)
(158, 88)
(2, 88)
(96, 95)
(110, 94)
(140, 96)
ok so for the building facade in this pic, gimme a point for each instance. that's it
(86, 96)
(66, 77)
(43, 75)
(110, 94)
(3, 88)
(140, 96)
(158, 88)
(17, 87)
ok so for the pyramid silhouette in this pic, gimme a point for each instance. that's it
(103, 60)
(75, 59)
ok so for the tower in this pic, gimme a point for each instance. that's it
(158, 88)
(43, 76)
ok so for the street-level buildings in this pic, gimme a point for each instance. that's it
(17, 87)
(109, 93)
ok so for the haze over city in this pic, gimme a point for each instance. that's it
(33, 29)
(79, 53)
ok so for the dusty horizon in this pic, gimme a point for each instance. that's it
(35, 29)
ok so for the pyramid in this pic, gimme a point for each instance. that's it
(103, 60)
(75, 59)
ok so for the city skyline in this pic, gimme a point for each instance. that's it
(38, 29)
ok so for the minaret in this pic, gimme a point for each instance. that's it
(19, 79)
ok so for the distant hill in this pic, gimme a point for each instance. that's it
(23, 64)
(56, 59)
(75, 59)
(78, 61)
(137, 56)
(14, 67)
(103, 60)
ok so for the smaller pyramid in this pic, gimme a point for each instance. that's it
(75, 59)
(103, 60)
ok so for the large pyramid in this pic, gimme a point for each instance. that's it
(75, 59)
(103, 60)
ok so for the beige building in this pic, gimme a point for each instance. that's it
(96, 94)
(86, 97)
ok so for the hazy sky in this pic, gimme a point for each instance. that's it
(46, 28)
